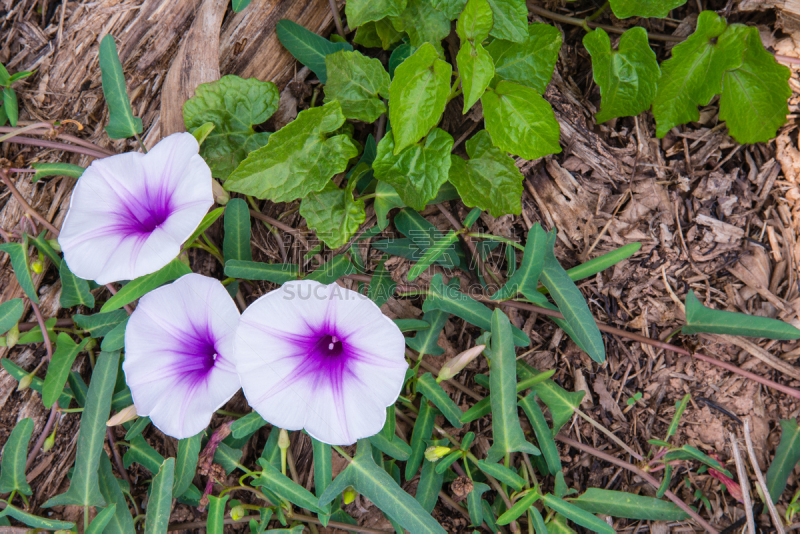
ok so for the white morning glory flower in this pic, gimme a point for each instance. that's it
(179, 348)
(322, 358)
(131, 212)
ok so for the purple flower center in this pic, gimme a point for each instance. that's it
(328, 347)
(200, 355)
(143, 218)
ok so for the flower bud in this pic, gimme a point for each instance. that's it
(348, 495)
(54, 244)
(237, 512)
(435, 453)
(25, 381)
(123, 416)
(221, 196)
(37, 265)
(456, 364)
(49, 442)
(283, 439)
(12, 337)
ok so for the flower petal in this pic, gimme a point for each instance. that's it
(130, 213)
(323, 358)
(179, 346)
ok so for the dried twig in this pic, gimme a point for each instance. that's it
(25, 206)
(773, 512)
(744, 484)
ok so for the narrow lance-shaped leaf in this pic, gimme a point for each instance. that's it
(216, 514)
(278, 273)
(572, 305)
(543, 434)
(58, 368)
(10, 105)
(430, 484)
(142, 453)
(34, 521)
(507, 433)
(209, 219)
(525, 279)
(644, 8)
(628, 505)
(236, 242)
(382, 287)
(307, 47)
(122, 522)
(395, 448)
(186, 463)
(381, 489)
(439, 397)
(99, 523)
(44, 170)
(121, 122)
(687, 452)
(519, 508)
(83, 489)
(100, 324)
(144, 284)
(74, 290)
(247, 425)
(286, 488)
(10, 314)
(432, 254)
(159, 506)
(786, 458)
(19, 262)
(502, 473)
(115, 339)
(474, 502)
(423, 428)
(577, 515)
(445, 298)
(701, 319)
(562, 403)
(323, 467)
(15, 452)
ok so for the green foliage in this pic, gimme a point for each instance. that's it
(122, 522)
(15, 452)
(216, 514)
(562, 403)
(519, 508)
(382, 287)
(144, 284)
(381, 489)
(525, 280)
(687, 452)
(239, 5)
(307, 47)
(236, 242)
(475, 65)
(627, 77)
(393, 446)
(701, 319)
(644, 8)
(58, 369)
(115, 339)
(74, 290)
(489, 180)
(424, 235)
(502, 473)
(19, 262)
(423, 23)
(529, 62)
(98, 525)
(543, 434)
(432, 254)
(418, 95)
(432, 391)
(520, 121)
(83, 489)
(754, 95)
(423, 428)
(577, 515)
(507, 433)
(186, 463)
(233, 105)
(10, 106)
(159, 506)
(34, 521)
(693, 75)
(286, 488)
(446, 298)
(333, 213)
(298, 159)
(386, 199)
(510, 19)
(278, 273)
(10, 314)
(357, 83)
(55, 169)
(121, 122)
(247, 425)
(418, 171)
(786, 457)
(430, 484)
(628, 505)
(360, 11)
(475, 22)
(332, 270)
(142, 453)
(100, 324)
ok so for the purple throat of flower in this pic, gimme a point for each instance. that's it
(199, 349)
(144, 216)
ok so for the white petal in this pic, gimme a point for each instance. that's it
(289, 384)
(167, 343)
(130, 213)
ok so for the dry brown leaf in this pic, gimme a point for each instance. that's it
(606, 400)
